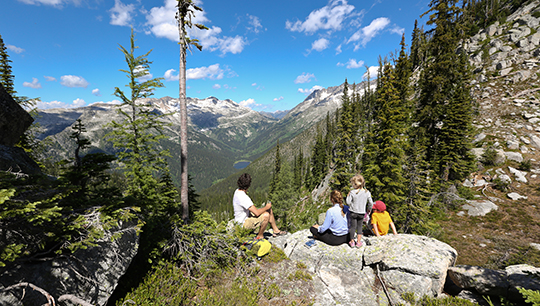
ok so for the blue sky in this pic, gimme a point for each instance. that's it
(266, 55)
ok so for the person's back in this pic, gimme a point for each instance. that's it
(358, 200)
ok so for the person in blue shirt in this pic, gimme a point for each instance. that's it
(335, 229)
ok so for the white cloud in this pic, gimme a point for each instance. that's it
(96, 92)
(213, 72)
(254, 23)
(233, 45)
(353, 64)
(59, 104)
(304, 78)
(162, 23)
(73, 81)
(397, 30)
(278, 99)
(320, 44)
(373, 71)
(250, 103)
(254, 84)
(307, 91)
(35, 84)
(78, 102)
(365, 34)
(216, 86)
(170, 76)
(121, 14)
(329, 17)
(338, 49)
(50, 78)
(15, 49)
(56, 3)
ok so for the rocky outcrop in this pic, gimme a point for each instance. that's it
(14, 120)
(396, 264)
(89, 274)
(15, 160)
(499, 283)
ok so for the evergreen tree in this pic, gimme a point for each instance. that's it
(88, 176)
(318, 163)
(445, 96)
(415, 46)
(284, 195)
(194, 203)
(402, 84)
(137, 136)
(384, 174)
(298, 165)
(454, 158)
(6, 76)
(277, 169)
(344, 158)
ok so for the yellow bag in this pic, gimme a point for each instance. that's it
(258, 247)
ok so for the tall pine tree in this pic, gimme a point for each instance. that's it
(344, 158)
(138, 135)
(384, 174)
(445, 103)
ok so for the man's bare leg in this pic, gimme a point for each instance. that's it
(272, 221)
(264, 224)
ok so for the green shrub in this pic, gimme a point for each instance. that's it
(166, 285)
(489, 157)
(465, 192)
(530, 296)
(500, 184)
(525, 165)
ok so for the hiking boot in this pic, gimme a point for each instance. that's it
(359, 243)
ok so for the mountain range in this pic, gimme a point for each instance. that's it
(221, 132)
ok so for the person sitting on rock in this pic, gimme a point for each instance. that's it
(381, 220)
(335, 229)
(250, 216)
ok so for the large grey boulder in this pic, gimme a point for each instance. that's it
(345, 276)
(91, 274)
(479, 207)
(14, 120)
(500, 283)
(15, 160)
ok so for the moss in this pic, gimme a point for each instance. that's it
(300, 275)
(276, 255)
(431, 301)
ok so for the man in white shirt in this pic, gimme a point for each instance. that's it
(250, 216)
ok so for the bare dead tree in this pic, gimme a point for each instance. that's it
(48, 296)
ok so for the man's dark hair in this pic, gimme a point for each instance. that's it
(244, 181)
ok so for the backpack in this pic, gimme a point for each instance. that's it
(258, 248)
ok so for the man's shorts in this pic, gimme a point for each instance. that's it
(253, 222)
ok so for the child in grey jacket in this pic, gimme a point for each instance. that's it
(359, 201)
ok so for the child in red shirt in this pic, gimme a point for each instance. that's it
(381, 220)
